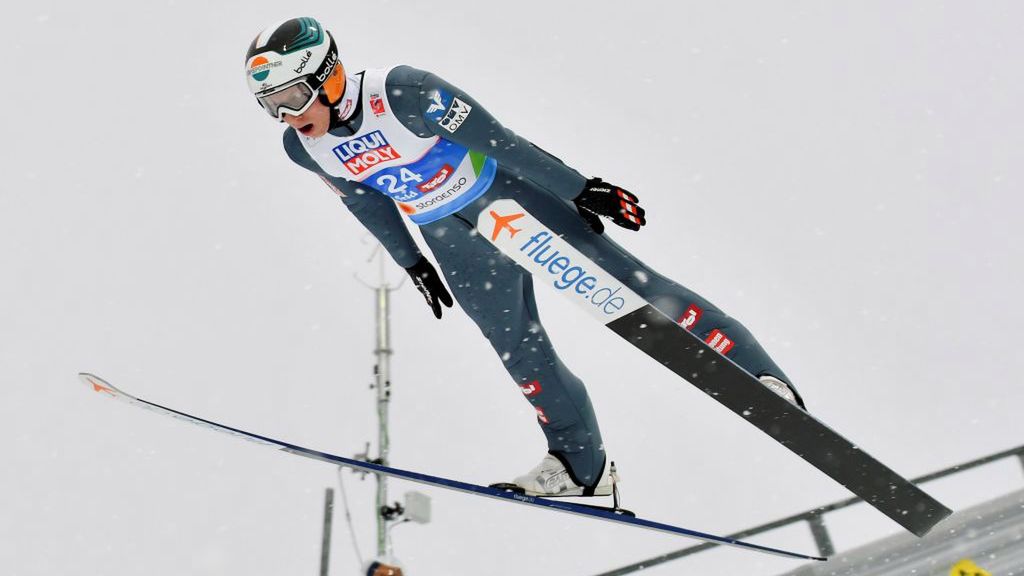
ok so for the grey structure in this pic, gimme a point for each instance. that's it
(990, 534)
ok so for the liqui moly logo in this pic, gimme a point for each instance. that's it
(365, 152)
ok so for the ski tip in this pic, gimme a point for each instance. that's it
(98, 384)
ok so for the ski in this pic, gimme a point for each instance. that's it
(520, 236)
(100, 385)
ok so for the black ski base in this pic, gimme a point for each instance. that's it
(692, 359)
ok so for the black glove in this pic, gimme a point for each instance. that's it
(602, 199)
(425, 277)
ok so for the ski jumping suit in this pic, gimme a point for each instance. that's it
(409, 142)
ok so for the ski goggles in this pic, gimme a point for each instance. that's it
(294, 99)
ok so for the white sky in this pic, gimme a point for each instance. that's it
(843, 178)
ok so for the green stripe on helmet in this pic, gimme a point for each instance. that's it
(310, 34)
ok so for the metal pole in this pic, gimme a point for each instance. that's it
(821, 537)
(383, 385)
(325, 544)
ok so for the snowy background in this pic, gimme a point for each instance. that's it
(844, 178)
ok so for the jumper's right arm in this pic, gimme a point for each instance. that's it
(374, 211)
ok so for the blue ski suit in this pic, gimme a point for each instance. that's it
(494, 291)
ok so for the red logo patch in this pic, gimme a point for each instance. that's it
(719, 341)
(377, 104)
(532, 389)
(541, 416)
(690, 317)
(438, 179)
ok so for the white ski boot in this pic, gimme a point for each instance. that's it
(782, 389)
(550, 479)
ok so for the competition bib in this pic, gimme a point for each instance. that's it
(429, 178)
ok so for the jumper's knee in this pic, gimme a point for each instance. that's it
(516, 344)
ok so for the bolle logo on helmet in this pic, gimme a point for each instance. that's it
(332, 59)
(303, 62)
(260, 67)
(365, 152)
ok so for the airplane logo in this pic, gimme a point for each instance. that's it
(504, 223)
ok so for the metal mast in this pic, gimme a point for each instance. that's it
(417, 506)
(325, 541)
(382, 374)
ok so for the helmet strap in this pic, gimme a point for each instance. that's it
(321, 95)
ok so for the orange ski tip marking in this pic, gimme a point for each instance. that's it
(97, 387)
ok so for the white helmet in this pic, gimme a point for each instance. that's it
(291, 64)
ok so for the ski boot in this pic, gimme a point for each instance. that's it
(552, 479)
(783, 389)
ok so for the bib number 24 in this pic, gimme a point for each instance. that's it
(398, 187)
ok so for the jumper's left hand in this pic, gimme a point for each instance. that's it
(603, 199)
(428, 282)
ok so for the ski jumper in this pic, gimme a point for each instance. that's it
(416, 145)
